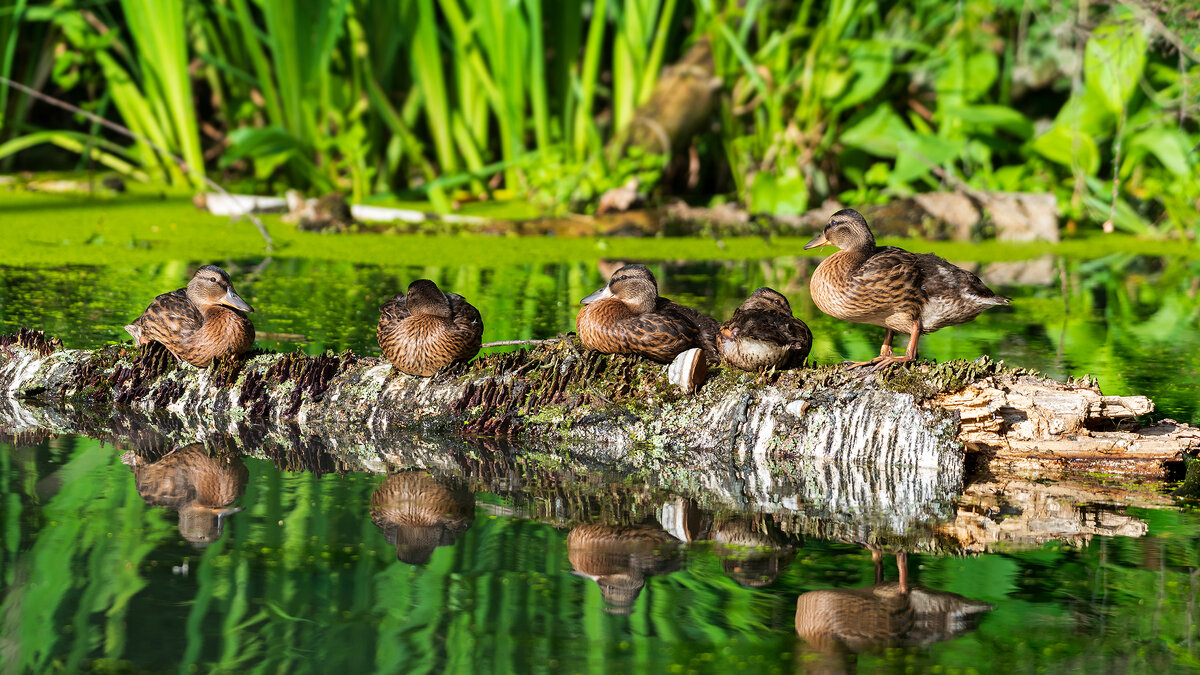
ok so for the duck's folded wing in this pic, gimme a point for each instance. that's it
(395, 309)
(889, 277)
(170, 315)
(707, 327)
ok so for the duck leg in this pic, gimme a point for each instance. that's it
(884, 352)
(909, 355)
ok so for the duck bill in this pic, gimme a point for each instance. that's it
(818, 240)
(598, 295)
(231, 299)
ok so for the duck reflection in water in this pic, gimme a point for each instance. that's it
(752, 552)
(418, 513)
(839, 622)
(199, 486)
(620, 557)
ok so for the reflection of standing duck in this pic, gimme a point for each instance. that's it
(619, 558)
(838, 621)
(750, 553)
(418, 513)
(198, 486)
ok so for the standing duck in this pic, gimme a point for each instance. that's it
(886, 286)
(763, 334)
(627, 316)
(426, 330)
(197, 324)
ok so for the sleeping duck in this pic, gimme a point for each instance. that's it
(763, 334)
(913, 293)
(202, 322)
(425, 330)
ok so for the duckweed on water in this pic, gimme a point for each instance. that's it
(148, 227)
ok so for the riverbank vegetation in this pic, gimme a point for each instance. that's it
(458, 100)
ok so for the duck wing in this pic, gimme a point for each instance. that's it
(944, 279)
(169, 319)
(468, 326)
(706, 326)
(394, 310)
(888, 282)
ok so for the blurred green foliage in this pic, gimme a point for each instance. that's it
(861, 100)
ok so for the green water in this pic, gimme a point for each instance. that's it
(99, 575)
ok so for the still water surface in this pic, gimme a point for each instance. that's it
(123, 558)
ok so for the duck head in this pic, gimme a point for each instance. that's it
(633, 285)
(424, 297)
(847, 230)
(210, 286)
(769, 300)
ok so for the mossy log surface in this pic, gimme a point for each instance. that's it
(828, 452)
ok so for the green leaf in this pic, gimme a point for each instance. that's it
(879, 133)
(250, 142)
(784, 194)
(1168, 144)
(870, 66)
(1071, 148)
(1114, 59)
(991, 117)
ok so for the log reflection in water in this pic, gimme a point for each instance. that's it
(752, 550)
(197, 485)
(838, 622)
(418, 513)
(619, 558)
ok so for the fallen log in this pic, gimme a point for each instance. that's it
(928, 419)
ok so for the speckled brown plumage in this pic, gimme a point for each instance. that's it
(763, 334)
(619, 558)
(751, 550)
(885, 614)
(195, 484)
(202, 322)
(422, 332)
(418, 513)
(886, 286)
(627, 316)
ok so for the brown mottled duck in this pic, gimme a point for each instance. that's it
(417, 513)
(197, 485)
(763, 334)
(913, 293)
(197, 324)
(426, 330)
(620, 557)
(627, 316)
(841, 620)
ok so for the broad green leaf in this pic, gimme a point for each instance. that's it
(870, 64)
(782, 194)
(991, 117)
(879, 133)
(1070, 148)
(1168, 144)
(1114, 59)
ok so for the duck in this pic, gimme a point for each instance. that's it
(838, 621)
(417, 513)
(199, 486)
(425, 330)
(627, 316)
(751, 549)
(763, 334)
(619, 558)
(913, 293)
(202, 322)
